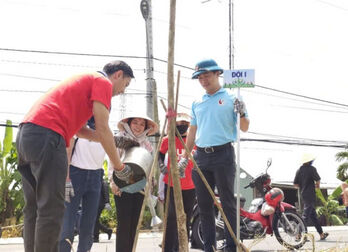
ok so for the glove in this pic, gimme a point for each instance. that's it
(125, 174)
(239, 107)
(182, 166)
(69, 191)
(163, 168)
(126, 143)
(107, 206)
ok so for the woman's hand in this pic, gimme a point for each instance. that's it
(115, 189)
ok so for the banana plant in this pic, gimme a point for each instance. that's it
(11, 197)
(330, 208)
(342, 169)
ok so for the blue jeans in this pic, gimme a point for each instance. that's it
(219, 170)
(87, 185)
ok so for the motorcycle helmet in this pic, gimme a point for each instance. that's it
(274, 196)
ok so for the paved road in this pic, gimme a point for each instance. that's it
(148, 242)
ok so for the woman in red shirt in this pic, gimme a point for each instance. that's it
(187, 186)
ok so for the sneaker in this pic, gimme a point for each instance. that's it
(323, 236)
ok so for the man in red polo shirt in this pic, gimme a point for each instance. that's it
(42, 139)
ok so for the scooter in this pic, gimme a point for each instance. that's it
(266, 215)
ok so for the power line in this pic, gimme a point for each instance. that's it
(91, 55)
(58, 64)
(306, 97)
(163, 61)
(294, 138)
(289, 142)
(73, 54)
(303, 96)
(333, 5)
(9, 125)
(342, 146)
(311, 109)
(28, 77)
(247, 90)
(46, 63)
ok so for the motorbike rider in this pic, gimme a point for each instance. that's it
(214, 129)
(307, 179)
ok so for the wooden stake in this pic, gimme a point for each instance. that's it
(180, 214)
(169, 174)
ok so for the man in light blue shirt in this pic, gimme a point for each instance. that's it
(213, 130)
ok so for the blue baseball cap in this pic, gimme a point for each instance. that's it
(206, 66)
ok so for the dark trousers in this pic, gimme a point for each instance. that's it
(98, 225)
(309, 213)
(128, 208)
(219, 170)
(42, 161)
(171, 239)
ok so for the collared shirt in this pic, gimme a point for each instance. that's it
(215, 119)
(66, 108)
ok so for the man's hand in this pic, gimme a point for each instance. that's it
(125, 174)
(239, 107)
(69, 191)
(182, 166)
(125, 142)
(163, 168)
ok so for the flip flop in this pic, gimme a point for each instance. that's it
(324, 236)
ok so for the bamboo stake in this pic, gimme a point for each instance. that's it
(169, 174)
(148, 186)
(228, 225)
(180, 214)
(166, 213)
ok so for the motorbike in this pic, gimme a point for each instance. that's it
(266, 215)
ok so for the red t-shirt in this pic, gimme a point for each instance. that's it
(67, 107)
(186, 183)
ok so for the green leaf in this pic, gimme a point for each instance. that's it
(8, 138)
(321, 211)
(320, 196)
(341, 155)
(335, 220)
(336, 193)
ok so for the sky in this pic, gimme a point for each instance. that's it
(297, 47)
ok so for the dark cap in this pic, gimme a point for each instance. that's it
(206, 66)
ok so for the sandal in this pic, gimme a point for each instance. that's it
(323, 236)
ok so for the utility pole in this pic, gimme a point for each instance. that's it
(231, 65)
(146, 11)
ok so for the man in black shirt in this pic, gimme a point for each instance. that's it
(307, 179)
